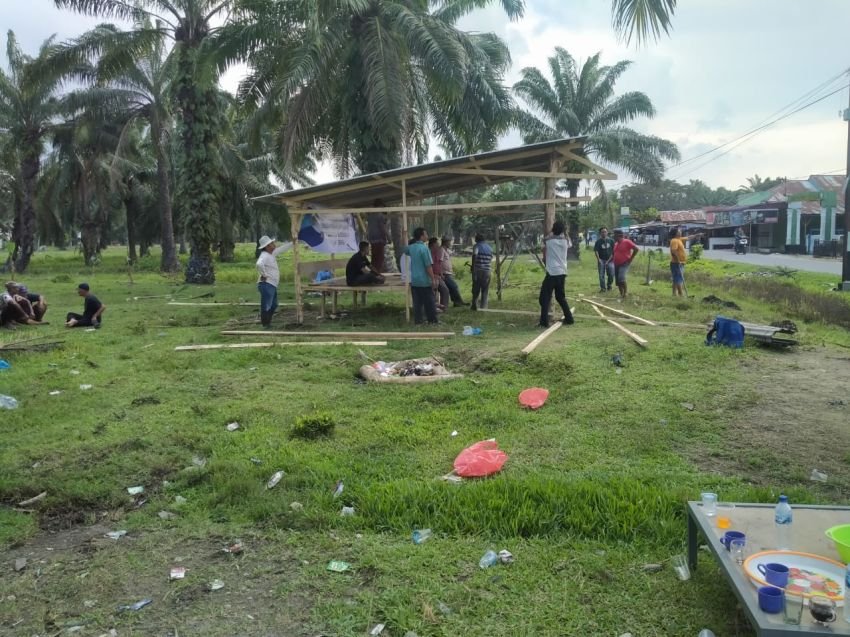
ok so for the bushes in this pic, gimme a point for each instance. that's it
(313, 426)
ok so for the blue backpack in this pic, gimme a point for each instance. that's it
(725, 331)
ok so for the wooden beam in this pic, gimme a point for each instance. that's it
(604, 173)
(222, 304)
(405, 235)
(620, 312)
(379, 335)
(190, 348)
(540, 338)
(295, 227)
(637, 339)
(449, 206)
(515, 173)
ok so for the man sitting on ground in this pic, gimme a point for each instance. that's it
(11, 310)
(37, 301)
(359, 271)
(92, 310)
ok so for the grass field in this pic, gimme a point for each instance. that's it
(594, 487)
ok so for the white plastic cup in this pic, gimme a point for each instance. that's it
(709, 503)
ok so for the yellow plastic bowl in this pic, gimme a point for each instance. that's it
(840, 535)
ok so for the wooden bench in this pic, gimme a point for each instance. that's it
(332, 287)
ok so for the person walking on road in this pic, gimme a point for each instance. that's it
(555, 248)
(604, 251)
(625, 251)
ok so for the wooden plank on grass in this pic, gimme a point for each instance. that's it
(541, 337)
(213, 304)
(637, 339)
(379, 335)
(190, 348)
(620, 312)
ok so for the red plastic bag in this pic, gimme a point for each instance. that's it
(481, 459)
(533, 398)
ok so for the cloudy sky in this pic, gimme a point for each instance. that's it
(728, 67)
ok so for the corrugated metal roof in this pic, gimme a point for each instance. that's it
(680, 216)
(428, 180)
(815, 183)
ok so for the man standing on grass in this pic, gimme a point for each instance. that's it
(678, 258)
(269, 273)
(604, 251)
(422, 279)
(482, 257)
(624, 253)
(448, 272)
(92, 310)
(442, 290)
(555, 248)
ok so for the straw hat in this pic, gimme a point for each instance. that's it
(265, 240)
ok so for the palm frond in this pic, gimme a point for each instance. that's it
(642, 20)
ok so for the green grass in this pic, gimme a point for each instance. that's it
(594, 487)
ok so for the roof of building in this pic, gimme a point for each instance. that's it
(814, 184)
(439, 178)
(682, 216)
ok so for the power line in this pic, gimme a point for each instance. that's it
(749, 136)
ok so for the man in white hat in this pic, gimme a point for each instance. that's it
(269, 277)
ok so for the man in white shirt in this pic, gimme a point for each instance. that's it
(269, 277)
(555, 248)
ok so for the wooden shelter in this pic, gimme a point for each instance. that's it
(409, 190)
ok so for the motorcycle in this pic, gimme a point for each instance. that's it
(741, 244)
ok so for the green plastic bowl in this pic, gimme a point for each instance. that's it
(841, 536)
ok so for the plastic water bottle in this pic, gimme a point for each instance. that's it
(705, 632)
(783, 519)
(7, 402)
(488, 559)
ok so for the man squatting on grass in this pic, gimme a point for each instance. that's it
(555, 248)
(678, 258)
(15, 308)
(269, 273)
(624, 253)
(92, 310)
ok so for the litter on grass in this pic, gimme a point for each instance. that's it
(377, 630)
(481, 459)
(137, 606)
(86, 387)
(338, 489)
(235, 548)
(276, 477)
(414, 370)
(421, 535)
(135, 490)
(534, 397)
(296, 506)
(347, 512)
(506, 557)
(116, 535)
(233, 426)
(338, 566)
(166, 515)
(178, 572)
(818, 476)
(55, 392)
(4, 365)
(20, 564)
(216, 585)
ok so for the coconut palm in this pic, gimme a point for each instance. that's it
(582, 102)
(758, 184)
(28, 107)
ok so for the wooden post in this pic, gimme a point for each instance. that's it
(295, 225)
(549, 195)
(405, 235)
(498, 265)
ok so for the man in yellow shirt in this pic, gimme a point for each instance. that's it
(678, 258)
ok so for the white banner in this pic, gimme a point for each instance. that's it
(329, 233)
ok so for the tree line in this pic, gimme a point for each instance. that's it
(124, 131)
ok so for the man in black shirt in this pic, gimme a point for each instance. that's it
(359, 271)
(92, 310)
(604, 250)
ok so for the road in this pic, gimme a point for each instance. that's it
(795, 262)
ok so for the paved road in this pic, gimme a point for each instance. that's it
(796, 262)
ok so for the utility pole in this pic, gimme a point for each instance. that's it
(845, 269)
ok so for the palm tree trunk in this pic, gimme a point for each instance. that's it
(25, 236)
(131, 230)
(169, 261)
(226, 246)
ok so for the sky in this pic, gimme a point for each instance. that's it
(727, 67)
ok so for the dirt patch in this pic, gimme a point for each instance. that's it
(796, 423)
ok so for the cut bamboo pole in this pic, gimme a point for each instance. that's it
(540, 338)
(222, 304)
(637, 339)
(189, 348)
(380, 335)
(620, 312)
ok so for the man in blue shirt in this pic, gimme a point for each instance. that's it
(422, 280)
(482, 257)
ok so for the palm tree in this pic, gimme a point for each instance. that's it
(581, 102)
(28, 106)
(366, 81)
(757, 184)
(201, 51)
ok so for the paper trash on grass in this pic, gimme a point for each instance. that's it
(347, 512)
(116, 535)
(20, 564)
(179, 499)
(818, 476)
(137, 606)
(177, 572)
(166, 515)
(235, 548)
(233, 426)
(55, 392)
(377, 630)
(340, 487)
(506, 557)
(338, 566)
(452, 477)
(86, 387)
(135, 490)
(216, 585)
(296, 506)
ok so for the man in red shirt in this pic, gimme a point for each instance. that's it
(624, 252)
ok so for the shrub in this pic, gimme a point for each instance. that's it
(313, 426)
(696, 251)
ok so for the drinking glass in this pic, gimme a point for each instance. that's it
(822, 609)
(738, 550)
(793, 611)
(724, 515)
(709, 503)
(681, 568)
